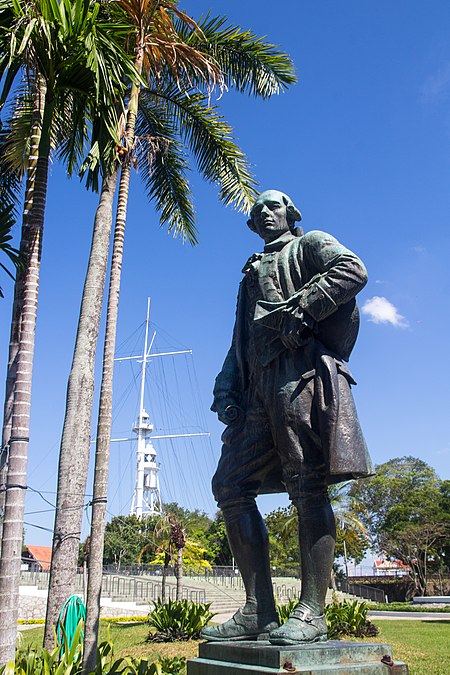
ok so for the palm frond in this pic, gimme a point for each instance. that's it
(163, 166)
(249, 64)
(163, 49)
(16, 135)
(75, 50)
(71, 130)
(210, 139)
(6, 224)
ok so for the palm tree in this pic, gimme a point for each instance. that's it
(178, 540)
(175, 69)
(161, 543)
(344, 510)
(169, 538)
(62, 51)
(345, 513)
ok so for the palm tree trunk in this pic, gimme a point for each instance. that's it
(104, 434)
(106, 393)
(17, 309)
(179, 573)
(75, 442)
(164, 576)
(20, 425)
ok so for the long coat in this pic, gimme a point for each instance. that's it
(313, 279)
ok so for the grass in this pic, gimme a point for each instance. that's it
(129, 640)
(423, 645)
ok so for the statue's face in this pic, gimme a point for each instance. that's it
(270, 216)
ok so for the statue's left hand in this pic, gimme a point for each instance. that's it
(295, 329)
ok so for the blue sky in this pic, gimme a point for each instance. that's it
(362, 145)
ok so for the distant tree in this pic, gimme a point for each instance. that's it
(125, 537)
(283, 538)
(193, 557)
(352, 536)
(356, 544)
(218, 549)
(419, 546)
(403, 508)
(195, 523)
(130, 540)
(349, 528)
(445, 505)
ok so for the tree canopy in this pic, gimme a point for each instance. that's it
(405, 509)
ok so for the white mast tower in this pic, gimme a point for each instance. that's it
(147, 494)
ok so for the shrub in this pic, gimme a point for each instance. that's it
(349, 618)
(178, 620)
(284, 610)
(165, 666)
(63, 660)
(173, 666)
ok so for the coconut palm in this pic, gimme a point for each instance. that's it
(61, 51)
(169, 539)
(344, 510)
(175, 65)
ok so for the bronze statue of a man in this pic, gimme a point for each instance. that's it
(284, 394)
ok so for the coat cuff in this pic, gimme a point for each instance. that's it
(317, 302)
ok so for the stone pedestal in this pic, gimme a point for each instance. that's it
(334, 657)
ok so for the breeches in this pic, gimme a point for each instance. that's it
(275, 446)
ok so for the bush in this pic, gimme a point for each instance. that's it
(284, 610)
(349, 618)
(173, 666)
(63, 660)
(178, 620)
(165, 666)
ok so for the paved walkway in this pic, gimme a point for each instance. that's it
(411, 616)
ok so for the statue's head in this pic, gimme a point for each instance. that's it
(272, 214)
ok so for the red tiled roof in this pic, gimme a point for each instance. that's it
(42, 554)
(391, 564)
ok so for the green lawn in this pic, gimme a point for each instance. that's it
(424, 645)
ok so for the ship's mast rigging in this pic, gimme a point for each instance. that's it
(147, 494)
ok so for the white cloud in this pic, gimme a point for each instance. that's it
(438, 84)
(380, 310)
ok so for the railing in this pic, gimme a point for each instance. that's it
(216, 571)
(283, 592)
(234, 582)
(360, 590)
(139, 570)
(145, 590)
(133, 589)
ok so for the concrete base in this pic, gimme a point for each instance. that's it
(334, 657)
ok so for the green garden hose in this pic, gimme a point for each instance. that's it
(69, 617)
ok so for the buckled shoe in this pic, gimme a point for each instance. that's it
(242, 627)
(302, 626)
